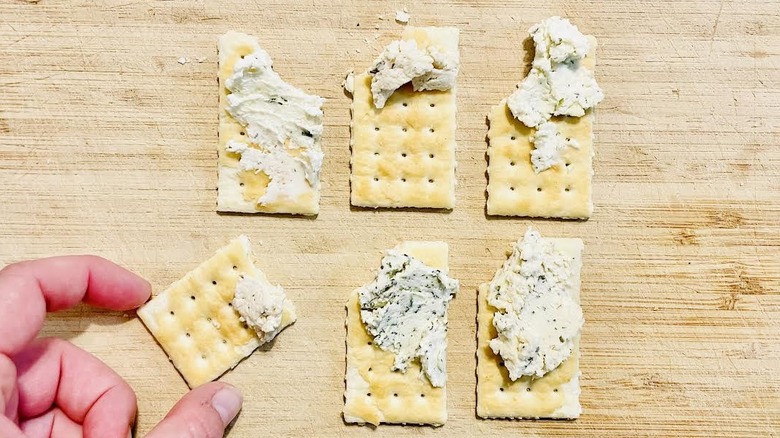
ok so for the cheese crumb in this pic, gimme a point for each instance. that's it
(402, 16)
(536, 319)
(405, 310)
(557, 84)
(182, 60)
(349, 82)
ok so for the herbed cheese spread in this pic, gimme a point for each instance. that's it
(260, 305)
(402, 61)
(548, 145)
(557, 84)
(284, 121)
(405, 310)
(537, 320)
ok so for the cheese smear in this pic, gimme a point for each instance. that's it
(402, 61)
(537, 320)
(260, 305)
(405, 310)
(557, 84)
(283, 122)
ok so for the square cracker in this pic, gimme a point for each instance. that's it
(376, 394)
(237, 190)
(403, 155)
(194, 321)
(562, 191)
(556, 394)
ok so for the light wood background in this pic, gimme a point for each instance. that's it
(107, 146)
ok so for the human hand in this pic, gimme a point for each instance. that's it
(50, 387)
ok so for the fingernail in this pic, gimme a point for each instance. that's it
(227, 402)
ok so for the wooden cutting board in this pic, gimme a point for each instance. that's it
(107, 146)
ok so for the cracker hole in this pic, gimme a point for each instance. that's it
(376, 128)
(431, 130)
(513, 138)
(376, 179)
(538, 189)
(404, 129)
(512, 189)
(395, 394)
(430, 180)
(403, 179)
(230, 304)
(368, 394)
(370, 343)
(240, 185)
(224, 341)
(433, 105)
(430, 155)
(192, 297)
(527, 389)
(376, 154)
(422, 395)
(405, 104)
(214, 282)
(567, 189)
(187, 335)
(242, 133)
(555, 390)
(203, 356)
(501, 389)
(403, 154)
(511, 163)
(568, 164)
(235, 267)
(370, 369)
(208, 319)
(172, 312)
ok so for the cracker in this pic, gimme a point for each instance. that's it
(556, 394)
(562, 191)
(194, 321)
(403, 155)
(374, 393)
(238, 190)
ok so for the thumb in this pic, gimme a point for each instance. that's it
(204, 412)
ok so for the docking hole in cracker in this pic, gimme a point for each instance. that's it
(397, 339)
(269, 152)
(403, 123)
(540, 139)
(217, 314)
(528, 329)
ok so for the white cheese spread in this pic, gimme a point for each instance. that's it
(403, 61)
(284, 121)
(405, 310)
(557, 84)
(548, 145)
(537, 320)
(260, 305)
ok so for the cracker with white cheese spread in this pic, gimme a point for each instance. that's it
(554, 394)
(269, 152)
(403, 123)
(376, 390)
(540, 149)
(217, 314)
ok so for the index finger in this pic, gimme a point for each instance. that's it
(30, 289)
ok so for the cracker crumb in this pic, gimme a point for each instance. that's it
(402, 16)
(349, 82)
(183, 60)
(201, 59)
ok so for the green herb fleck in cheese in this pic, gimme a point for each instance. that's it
(405, 310)
(536, 319)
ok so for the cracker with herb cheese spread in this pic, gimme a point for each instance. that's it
(536, 376)
(217, 314)
(540, 139)
(400, 379)
(269, 153)
(403, 123)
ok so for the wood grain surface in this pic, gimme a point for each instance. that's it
(107, 146)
